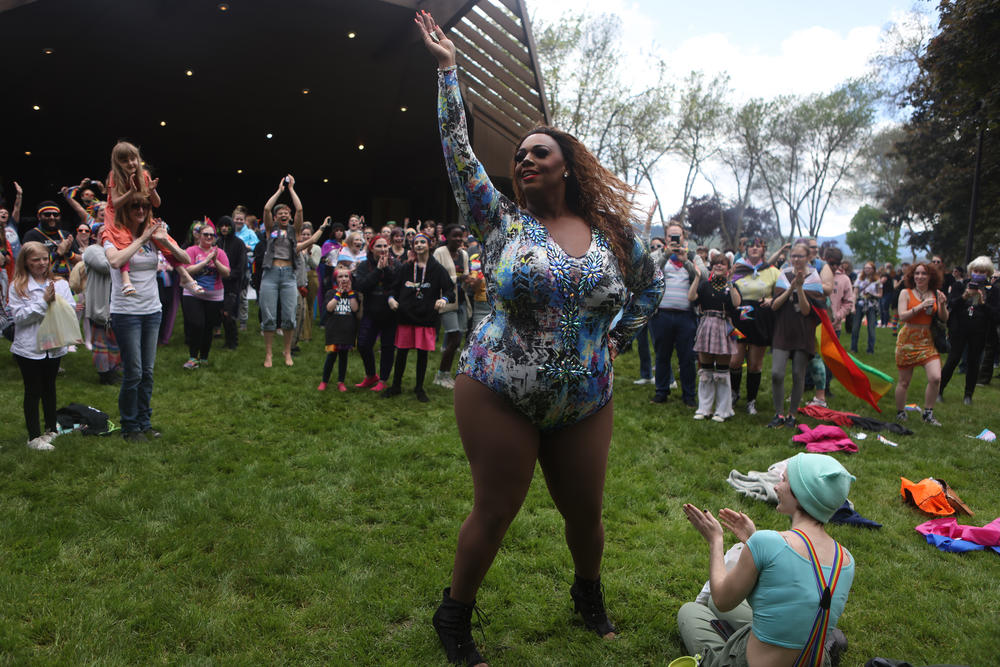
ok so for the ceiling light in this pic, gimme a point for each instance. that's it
(37, 108)
(223, 6)
(189, 73)
(269, 135)
(239, 171)
(351, 35)
(305, 91)
(403, 109)
(361, 147)
(163, 123)
(27, 152)
(326, 180)
(48, 52)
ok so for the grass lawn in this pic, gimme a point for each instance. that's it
(276, 524)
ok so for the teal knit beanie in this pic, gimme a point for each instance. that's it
(819, 483)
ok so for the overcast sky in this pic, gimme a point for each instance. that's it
(769, 48)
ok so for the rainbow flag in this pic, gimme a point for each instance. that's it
(867, 383)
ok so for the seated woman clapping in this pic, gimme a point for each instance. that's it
(780, 602)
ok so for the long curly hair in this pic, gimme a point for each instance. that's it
(594, 193)
(934, 278)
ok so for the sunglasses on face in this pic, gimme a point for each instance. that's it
(139, 206)
(83, 231)
(49, 215)
(208, 235)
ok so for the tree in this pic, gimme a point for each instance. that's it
(871, 238)
(711, 218)
(628, 127)
(955, 101)
(702, 114)
(743, 151)
(814, 145)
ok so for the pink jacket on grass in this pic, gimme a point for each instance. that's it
(825, 438)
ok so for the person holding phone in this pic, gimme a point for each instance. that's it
(974, 305)
(674, 324)
(280, 258)
(920, 301)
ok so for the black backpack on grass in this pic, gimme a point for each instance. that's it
(91, 420)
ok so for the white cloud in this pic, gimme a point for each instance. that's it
(808, 60)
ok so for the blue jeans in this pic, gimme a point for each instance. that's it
(642, 346)
(870, 311)
(674, 330)
(136, 335)
(278, 282)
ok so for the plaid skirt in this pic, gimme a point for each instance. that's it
(713, 335)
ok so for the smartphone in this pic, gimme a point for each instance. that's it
(724, 629)
(675, 239)
(287, 181)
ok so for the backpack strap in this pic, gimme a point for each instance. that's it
(812, 652)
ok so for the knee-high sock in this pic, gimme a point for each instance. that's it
(735, 380)
(753, 385)
(723, 394)
(706, 389)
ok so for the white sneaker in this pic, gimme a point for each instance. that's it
(718, 418)
(699, 417)
(643, 381)
(752, 407)
(40, 443)
(440, 379)
(817, 401)
(449, 382)
(673, 385)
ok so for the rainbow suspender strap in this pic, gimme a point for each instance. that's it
(812, 652)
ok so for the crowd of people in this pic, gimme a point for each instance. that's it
(545, 289)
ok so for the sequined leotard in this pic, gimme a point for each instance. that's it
(544, 345)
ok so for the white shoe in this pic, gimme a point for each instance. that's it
(673, 385)
(440, 379)
(752, 407)
(718, 418)
(817, 401)
(699, 417)
(449, 382)
(642, 381)
(40, 444)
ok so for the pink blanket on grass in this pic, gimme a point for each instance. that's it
(825, 438)
(988, 535)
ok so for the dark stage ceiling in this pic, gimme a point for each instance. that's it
(103, 70)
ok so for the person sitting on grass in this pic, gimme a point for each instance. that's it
(787, 590)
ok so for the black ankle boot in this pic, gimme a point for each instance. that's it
(588, 599)
(453, 622)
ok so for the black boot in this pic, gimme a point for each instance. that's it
(588, 599)
(453, 622)
(735, 380)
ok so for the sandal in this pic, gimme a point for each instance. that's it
(128, 290)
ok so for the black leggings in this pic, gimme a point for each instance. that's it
(397, 376)
(200, 319)
(971, 342)
(341, 357)
(39, 385)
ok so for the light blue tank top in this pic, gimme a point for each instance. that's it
(786, 597)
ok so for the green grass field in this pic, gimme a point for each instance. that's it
(276, 524)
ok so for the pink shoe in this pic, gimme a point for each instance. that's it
(369, 381)
(321, 387)
(379, 386)
(341, 387)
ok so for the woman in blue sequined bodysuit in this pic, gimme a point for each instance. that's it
(535, 380)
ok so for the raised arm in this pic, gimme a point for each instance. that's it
(73, 203)
(296, 205)
(478, 201)
(15, 212)
(266, 218)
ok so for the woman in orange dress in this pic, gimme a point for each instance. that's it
(920, 301)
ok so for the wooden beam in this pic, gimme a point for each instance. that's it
(486, 106)
(505, 41)
(511, 64)
(527, 109)
(516, 83)
(502, 19)
(533, 52)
